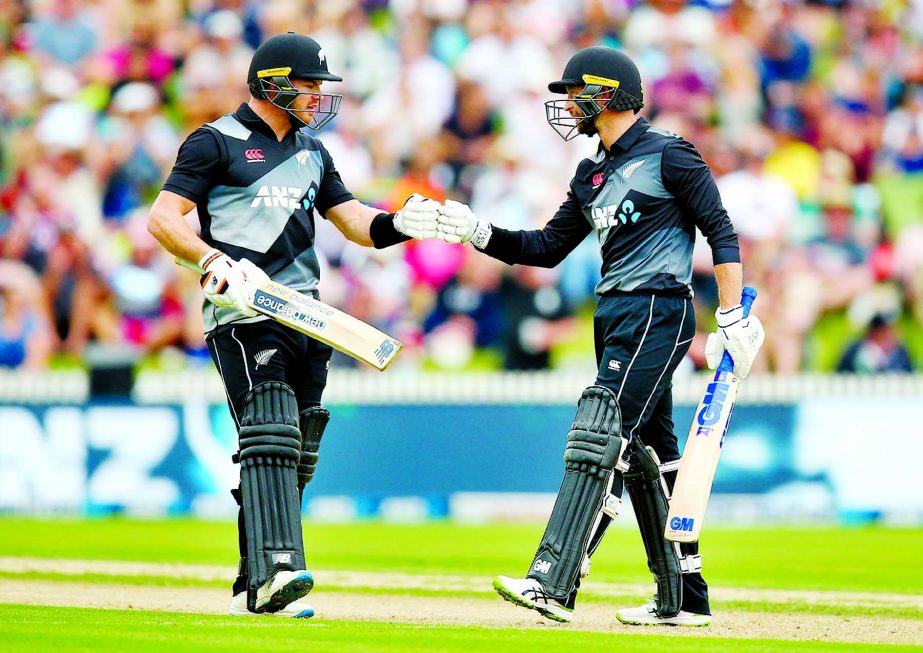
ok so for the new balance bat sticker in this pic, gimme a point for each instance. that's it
(692, 489)
(321, 321)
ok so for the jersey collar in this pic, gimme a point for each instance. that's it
(247, 117)
(630, 137)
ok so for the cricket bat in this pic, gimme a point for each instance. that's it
(703, 448)
(321, 321)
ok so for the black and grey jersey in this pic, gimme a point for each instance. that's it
(644, 198)
(256, 197)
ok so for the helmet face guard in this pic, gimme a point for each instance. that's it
(587, 100)
(276, 81)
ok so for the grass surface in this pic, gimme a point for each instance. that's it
(72, 630)
(844, 560)
(858, 560)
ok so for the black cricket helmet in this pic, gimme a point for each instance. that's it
(602, 74)
(284, 57)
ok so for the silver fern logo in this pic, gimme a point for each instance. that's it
(629, 170)
(263, 357)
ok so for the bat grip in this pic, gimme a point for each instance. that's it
(189, 265)
(746, 300)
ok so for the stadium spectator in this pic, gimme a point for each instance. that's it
(65, 35)
(878, 351)
(25, 334)
(445, 94)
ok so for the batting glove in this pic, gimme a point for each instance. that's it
(418, 217)
(459, 224)
(740, 336)
(226, 282)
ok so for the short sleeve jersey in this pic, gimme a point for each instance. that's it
(256, 197)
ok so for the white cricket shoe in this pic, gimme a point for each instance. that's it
(282, 588)
(294, 610)
(529, 593)
(646, 615)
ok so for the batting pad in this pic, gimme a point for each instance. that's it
(270, 447)
(594, 449)
(650, 500)
(313, 421)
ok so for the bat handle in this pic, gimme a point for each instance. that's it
(189, 265)
(746, 300)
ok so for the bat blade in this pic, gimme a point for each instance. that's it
(689, 499)
(323, 322)
(697, 468)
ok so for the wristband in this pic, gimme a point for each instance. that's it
(383, 233)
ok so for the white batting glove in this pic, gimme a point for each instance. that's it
(418, 217)
(225, 281)
(740, 336)
(459, 224)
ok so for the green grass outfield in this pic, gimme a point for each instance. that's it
(73, 630)
(857, 560)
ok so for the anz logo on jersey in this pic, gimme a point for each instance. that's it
(615, 214)
(288, 197)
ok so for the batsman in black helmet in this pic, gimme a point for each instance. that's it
(644, 193)
(258, 180)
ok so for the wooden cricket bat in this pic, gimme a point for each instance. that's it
(703, 448)
(321, 321)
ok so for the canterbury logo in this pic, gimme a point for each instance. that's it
(263, 357)
(597, 179)
(629, 170)
(254, 155)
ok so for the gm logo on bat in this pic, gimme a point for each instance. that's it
(712, 404)
(681, 523)
(282, 308)
(384, 351)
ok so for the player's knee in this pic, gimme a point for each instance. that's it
(595, 438)
(313, 421)
(269, 425)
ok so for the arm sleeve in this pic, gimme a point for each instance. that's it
(545, 247)
(332, 191)
(687, 176)
(198, 166)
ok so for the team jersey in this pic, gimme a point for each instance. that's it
(256, 198)
(644, 198)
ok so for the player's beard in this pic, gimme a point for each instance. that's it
(587, 127)
(296, 121)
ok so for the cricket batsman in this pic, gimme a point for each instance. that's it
(257, 178)
(644, 193)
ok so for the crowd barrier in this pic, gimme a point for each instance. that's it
(405, 445)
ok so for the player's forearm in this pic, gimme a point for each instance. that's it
(175, 235)
(360, 224)
(730, 283)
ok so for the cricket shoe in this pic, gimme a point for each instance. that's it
(282, 588)
(646, 615)
(529, 593)
(294, 610)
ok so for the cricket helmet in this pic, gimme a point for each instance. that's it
(602, 74)
(284, 57)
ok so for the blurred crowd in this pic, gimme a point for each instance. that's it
(810, 115)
